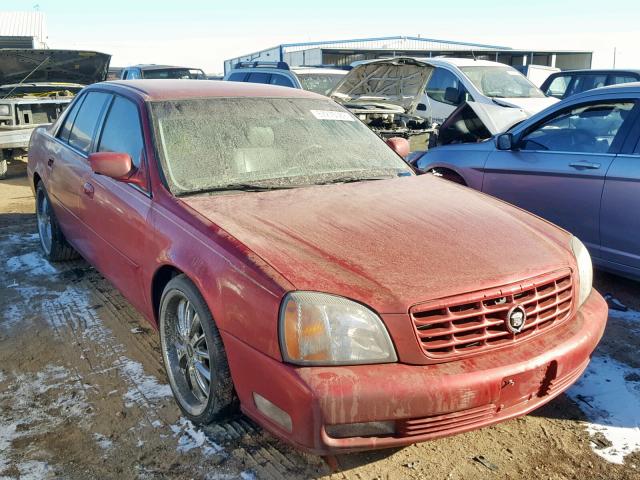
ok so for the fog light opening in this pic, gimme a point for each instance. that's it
(366, 429)
(273, 412)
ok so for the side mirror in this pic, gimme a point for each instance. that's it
(112, 164)
(452, 95)
(504, 141)
(399, 145)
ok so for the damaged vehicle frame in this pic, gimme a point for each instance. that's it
(35, 88)
(384, 95)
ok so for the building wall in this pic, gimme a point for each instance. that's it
(23, 30)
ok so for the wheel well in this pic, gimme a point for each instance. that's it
(448, 174)
(162, 276)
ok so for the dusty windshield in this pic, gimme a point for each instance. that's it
(501, 82)
(207, 144)
(175, 73)
(322, 83)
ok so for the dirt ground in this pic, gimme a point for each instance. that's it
(83, 393)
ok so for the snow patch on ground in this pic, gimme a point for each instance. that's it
(609, 395)
(23, 413)
(144, 388)
(32, 263)
(192, 437)
(103, 442)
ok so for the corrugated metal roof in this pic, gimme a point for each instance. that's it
(393, 43)
(24, 24)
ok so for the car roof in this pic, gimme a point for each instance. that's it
(332, 71)
(596, 71)
(153, 66)
(151, 90)
(462, 62)
(628, 88)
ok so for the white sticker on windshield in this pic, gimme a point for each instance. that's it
(332, 115)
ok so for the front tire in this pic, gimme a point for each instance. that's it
(3, 165)
(54, 244)
(194, 355)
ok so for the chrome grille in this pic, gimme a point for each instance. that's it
(470, 323)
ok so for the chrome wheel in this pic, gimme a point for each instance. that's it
(43, 213)
(186, 352)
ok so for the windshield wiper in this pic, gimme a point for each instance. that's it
(240, 187)
(352, 179)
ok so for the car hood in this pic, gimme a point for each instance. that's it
(397, 81)
(529, 105)
(389, 243)
(68, 66)
(473, 122)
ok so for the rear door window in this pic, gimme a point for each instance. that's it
(86, 121)
(582, 83)
(281, 80)
(259, 77)
(621, 78)
(63, 133)
(122, 131)
(238, 77)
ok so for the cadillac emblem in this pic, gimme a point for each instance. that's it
(516, 319)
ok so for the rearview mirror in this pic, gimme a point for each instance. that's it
(504, 141)
(112, 164)
(421, 107)
(399, 145)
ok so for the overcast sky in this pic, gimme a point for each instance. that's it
(203, 33)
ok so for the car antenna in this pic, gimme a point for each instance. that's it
(473, 54)
(28, 75)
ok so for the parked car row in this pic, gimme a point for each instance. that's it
(297, 268)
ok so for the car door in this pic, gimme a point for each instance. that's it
(115, 212)
(443, 94)
(558, 165)
(619, 216)
(67, 164)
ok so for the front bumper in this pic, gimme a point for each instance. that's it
(18, 138)
(425, 401)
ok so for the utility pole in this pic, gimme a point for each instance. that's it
(614, 57)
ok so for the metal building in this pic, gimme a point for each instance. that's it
(23, 30)
(345, 52)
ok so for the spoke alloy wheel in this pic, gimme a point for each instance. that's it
(186, 353)
(43, 211)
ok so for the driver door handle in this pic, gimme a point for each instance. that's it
(50, 162)
(88, 189)
(584, 165)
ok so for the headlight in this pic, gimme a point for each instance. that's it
(5, 110)
(585, 269)
(322, 329)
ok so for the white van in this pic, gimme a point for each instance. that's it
(459, 80)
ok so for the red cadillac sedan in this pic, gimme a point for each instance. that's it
(298, 270)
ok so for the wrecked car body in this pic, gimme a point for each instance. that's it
(35, 88)
(384, 94)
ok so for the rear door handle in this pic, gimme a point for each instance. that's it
(50, 163)
(584, 165)
(88, 189)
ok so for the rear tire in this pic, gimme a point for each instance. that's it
(54, 244)
(194, 355)
(3, 165)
